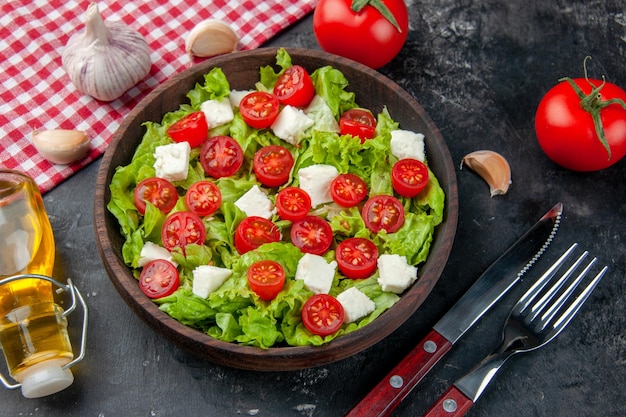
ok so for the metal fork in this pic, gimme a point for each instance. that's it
(535, 320)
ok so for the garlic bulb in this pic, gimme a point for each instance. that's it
(211, 37)
(106, 59)
(491, 167)
(61, 146)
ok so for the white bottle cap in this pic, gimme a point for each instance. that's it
(45, 378)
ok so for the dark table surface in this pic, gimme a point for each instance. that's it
(479, 69)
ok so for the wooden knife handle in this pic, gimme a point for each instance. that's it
(453, 403)
(390, 392)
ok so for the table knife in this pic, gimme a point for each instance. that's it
(502, 275)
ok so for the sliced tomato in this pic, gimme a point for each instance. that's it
(312, 234)
(322, 314)
(259, 109)
(359, 123)
(221, 156)
(357, 257)
(348, 190)
(383, 212)
(293, 203)
(192, 128)
(253, 232)
(203, 198)
(272, 165)
(158, 191)
(159, 278)
(409, 177)
(266, 278)
(181, 229)
(294, 87)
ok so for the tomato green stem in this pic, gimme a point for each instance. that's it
(358, 5)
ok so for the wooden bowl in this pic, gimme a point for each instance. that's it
(373, 91)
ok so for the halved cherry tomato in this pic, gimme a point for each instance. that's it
(203, 198)
(294, 87)
(192, 128)
(409, 177)
(272, 165)
(259, 109)
(359, 123)
(383, 212)
(158, 191)
(293, 203)
(348, 190)
(312, 234)
(357, 257)
(159, 278)
(253, 232)
(221, 156)
(266, 278)
(181, 229)
(322, 314)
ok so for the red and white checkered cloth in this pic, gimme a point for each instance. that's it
(36, 92)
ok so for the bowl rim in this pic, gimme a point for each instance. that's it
(275, 358)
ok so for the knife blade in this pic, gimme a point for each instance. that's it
(502, 275)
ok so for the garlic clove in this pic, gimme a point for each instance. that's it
(61, 146)
(211, 37)
(492, 167)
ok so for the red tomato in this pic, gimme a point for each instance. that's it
(259, 109)
(359, 123)
(203, 198)
(383, 212)
(159, 278)
(294, 87)
(221, 156)
(181, 229)
(409, 177)
(158, 191)
(322, 314)
(253, 232)
(348, 190)
(272, 165)
(293, 203)
(312, 234)
(366, 36)
(266, 278)
(192, 128)
(566, 131)
(357, 257)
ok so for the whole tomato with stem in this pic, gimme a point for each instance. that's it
(581, 124)
(371, 32)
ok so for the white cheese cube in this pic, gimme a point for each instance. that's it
(395, 273)
(407, 144)
(236, 96)
(291, 124)
(151, 251)
(316, 273)
(319, 111)
(208, 278)
(217, 112)
(172, 161)
(355, 304)
(255, 203)
(315, 180)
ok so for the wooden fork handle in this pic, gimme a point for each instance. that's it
(389, 392)
(453, 403)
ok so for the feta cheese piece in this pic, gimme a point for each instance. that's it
(151, 251)
(291, 124)
(395, 273)
(315, 180)
(322, 115)
(172, 161)
(217, 112)
(255, 203)
(236, 96)
(355, 304)
(407, 144)
(316, 273)
(208, 278)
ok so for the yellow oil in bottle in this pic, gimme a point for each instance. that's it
(32, 328)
